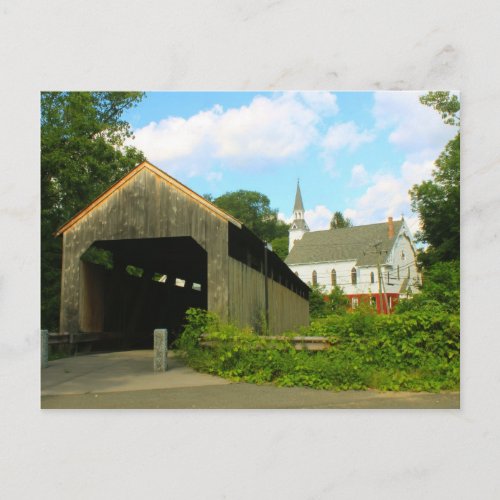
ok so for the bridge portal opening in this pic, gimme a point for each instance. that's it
(129, 287)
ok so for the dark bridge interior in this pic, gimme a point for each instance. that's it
(130, 287)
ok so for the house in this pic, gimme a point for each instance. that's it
(373, 263)
(185, 251)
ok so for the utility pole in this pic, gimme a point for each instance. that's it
(266, 289)
(380, 281)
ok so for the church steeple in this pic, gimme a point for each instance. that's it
(298, 206)
(299, 225)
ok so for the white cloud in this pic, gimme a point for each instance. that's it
(388, 194)
(322, 102)
(214, 176)
(417, 130)
(346, 135)
(318, 218)
(359, 175)
(269, 129)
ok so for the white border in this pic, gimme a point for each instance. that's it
(242, 45)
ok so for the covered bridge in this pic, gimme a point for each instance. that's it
(168, 249)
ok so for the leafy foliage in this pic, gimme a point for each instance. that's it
(280, 247)
(437, 201)
(444, 103)
(322, 304)
(417, 350)
(254, 210)
(339, 221)
(317, 305)
(440, 290)
(83, 151)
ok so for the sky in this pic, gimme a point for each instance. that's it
(354, 152)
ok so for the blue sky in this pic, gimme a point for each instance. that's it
(357, 152)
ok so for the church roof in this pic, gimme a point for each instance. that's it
(298, 200)
(351, 243)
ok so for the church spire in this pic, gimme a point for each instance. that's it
(299, 225)
(298, 206)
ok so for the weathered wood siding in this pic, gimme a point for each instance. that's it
(246, 293)
(146, 206)
(92, 297)
(287, 310)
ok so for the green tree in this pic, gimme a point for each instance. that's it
(280, 247)
(444, 103)
(317, 304)
(440, 289)
(437, 201)
(339, 221)
(83, 151)
(337, 301)
(253, 209)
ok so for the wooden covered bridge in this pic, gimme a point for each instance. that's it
(183, 251)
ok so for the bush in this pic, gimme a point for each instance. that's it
(440, 290)
(416, 350)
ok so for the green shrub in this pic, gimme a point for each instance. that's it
(414, 351)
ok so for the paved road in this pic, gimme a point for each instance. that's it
(126, 380)
(239, 396)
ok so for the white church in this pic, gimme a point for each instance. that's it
(374, 263)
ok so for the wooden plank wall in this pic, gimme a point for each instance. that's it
(92, 297)
(246, 292)
(287, 310)
(145, 207)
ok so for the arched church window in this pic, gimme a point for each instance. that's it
(372, 277)
(354, 276)
(315, 278)
(334, 277)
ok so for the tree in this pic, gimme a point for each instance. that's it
(440, 289)
(444, 103)
(317, 304)
(437, 201)
(337, 301)
(339, 221)
(253, 209)
(280, 247)
(83, 151)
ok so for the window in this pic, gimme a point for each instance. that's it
(315, 278)
(373, 302)
(372, 277)
(334, 277)
(403, 256)
(138, 272)
(398, 273)
(354, 276)
(355, 302)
